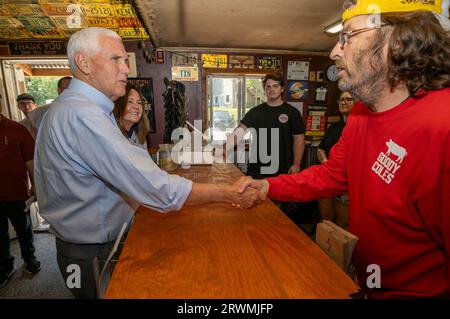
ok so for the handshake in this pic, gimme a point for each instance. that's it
(247, 192)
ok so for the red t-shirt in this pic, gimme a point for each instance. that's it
(16, 148)
(396, 166)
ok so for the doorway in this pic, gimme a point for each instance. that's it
(37, 77)
(230, 97)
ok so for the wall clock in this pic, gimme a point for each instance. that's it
(332, 73)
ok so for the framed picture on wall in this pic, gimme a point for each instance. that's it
(146, 87)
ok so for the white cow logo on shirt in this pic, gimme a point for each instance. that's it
(386, 167)
(397, 150)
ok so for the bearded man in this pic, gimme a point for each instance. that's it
(394, 154)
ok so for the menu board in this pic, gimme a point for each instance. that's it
(59, 19)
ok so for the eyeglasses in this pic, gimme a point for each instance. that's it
(347, 35)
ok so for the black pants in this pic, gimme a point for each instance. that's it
(21, 222)
(78, 260)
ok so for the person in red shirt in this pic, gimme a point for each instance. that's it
(16, 166)
(394, 153)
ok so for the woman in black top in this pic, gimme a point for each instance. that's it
(335, 209)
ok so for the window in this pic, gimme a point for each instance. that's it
(238, 95)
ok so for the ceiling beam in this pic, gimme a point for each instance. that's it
(147, 14)
(237, 50)
(25, 68)
(51, 72)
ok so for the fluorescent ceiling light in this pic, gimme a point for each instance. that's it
(334, 28)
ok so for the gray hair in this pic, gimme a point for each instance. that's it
(86, 41)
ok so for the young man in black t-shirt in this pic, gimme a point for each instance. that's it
(278, 141)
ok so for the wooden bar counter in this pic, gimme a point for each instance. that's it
(218, 251)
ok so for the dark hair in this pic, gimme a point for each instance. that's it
(419, 51)
(25, 96)
(275, 77)
(62, 79)
(119, 110)
(342, 93)
(348, 4)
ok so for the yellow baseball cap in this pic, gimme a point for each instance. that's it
(363, 7)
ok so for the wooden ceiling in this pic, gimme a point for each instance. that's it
(295, 25)
(251, 24)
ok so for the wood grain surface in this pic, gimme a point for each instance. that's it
(218, 251)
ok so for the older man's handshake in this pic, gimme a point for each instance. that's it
(250, 192)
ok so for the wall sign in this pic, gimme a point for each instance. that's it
(56, 19)
(159, 56)
(132, 33)
(185, 59)
(215, 61)
(185, 73)
(320, 76)
(132, 64)
(320, 95)
(37, 48)
(242, 62)
(269, 62)
(297, 90)
(298, 70)
(316, 125)
(316, 121)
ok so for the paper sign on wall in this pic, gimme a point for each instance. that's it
(298, 70)
(185, 73)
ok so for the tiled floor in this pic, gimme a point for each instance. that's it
(46, 284)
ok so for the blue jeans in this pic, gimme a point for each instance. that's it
(22, 224)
